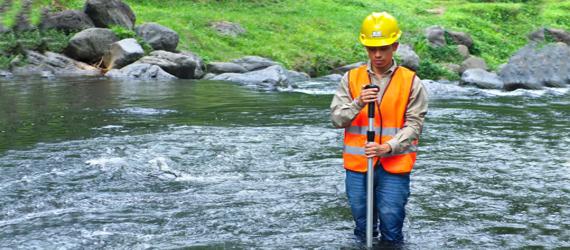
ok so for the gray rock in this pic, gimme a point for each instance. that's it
(408, 57)
(473, 62)
(270, 77)
(200, 69)
(6, 74)
(225, 67)
(346, 68)
(557, 34)
(254, 62)
(208, 76)
(461, 38)
(456, 68)
(53, 64)
(226, 28)
(533, 67)
(106, 13)
(67, 20)
(123, 53)
(329, 78)
(158, 36)
(91, 44)
(179, 65)
(435, 36)
(3, 29)
(463, 51)
(295, 76)
(481, 79)
(141, 71)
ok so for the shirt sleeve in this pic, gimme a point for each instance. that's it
(343, 107)
(415, 114)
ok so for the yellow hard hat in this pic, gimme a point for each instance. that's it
(379, 29)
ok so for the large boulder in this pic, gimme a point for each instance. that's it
(123, 53)
(225, 67)
(91, 44)
(463, 51)
(296, 76)
(226, 28)
(533, 67)
(346, 68)
(141, 71)
(435, 36)
(557, 35)
(473, 62)
(54, 64)
(270, 77)
(67, 21)
(408, 57)
(158, 36)
(461, 38)
(106, 13)
(200, 69)
(254, 62)
(481, 79)
(180, 65)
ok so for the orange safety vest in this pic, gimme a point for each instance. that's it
(388, 121)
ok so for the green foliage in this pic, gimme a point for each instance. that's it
(430, 70)
(124, 33)
(14, 43)
(5, 62)
(445, 54)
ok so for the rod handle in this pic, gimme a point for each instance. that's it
(371, 105)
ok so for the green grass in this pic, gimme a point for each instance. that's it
(315, 36)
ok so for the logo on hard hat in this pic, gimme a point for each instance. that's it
(376, 33)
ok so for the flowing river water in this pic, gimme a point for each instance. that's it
(95, 163)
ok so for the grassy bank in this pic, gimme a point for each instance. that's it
(317, 35)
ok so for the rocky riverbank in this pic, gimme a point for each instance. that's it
(96, 49)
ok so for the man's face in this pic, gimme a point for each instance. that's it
(381, 57)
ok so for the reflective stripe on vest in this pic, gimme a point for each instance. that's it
(387, 123)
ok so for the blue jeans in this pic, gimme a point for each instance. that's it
(391, 192)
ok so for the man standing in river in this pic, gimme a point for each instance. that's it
(401, 105)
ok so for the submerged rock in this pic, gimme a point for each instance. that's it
(251, 63)
(180, 65)
(481, 79)
(270, 77)
(329, 78)
(141, 71)
(225, 67)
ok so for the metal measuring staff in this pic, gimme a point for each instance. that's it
(370, 172)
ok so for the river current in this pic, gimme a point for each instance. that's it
(95, 163)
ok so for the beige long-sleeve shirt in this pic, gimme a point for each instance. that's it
(344, 109)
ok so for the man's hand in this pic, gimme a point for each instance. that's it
(373, 149)
(367, 96)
